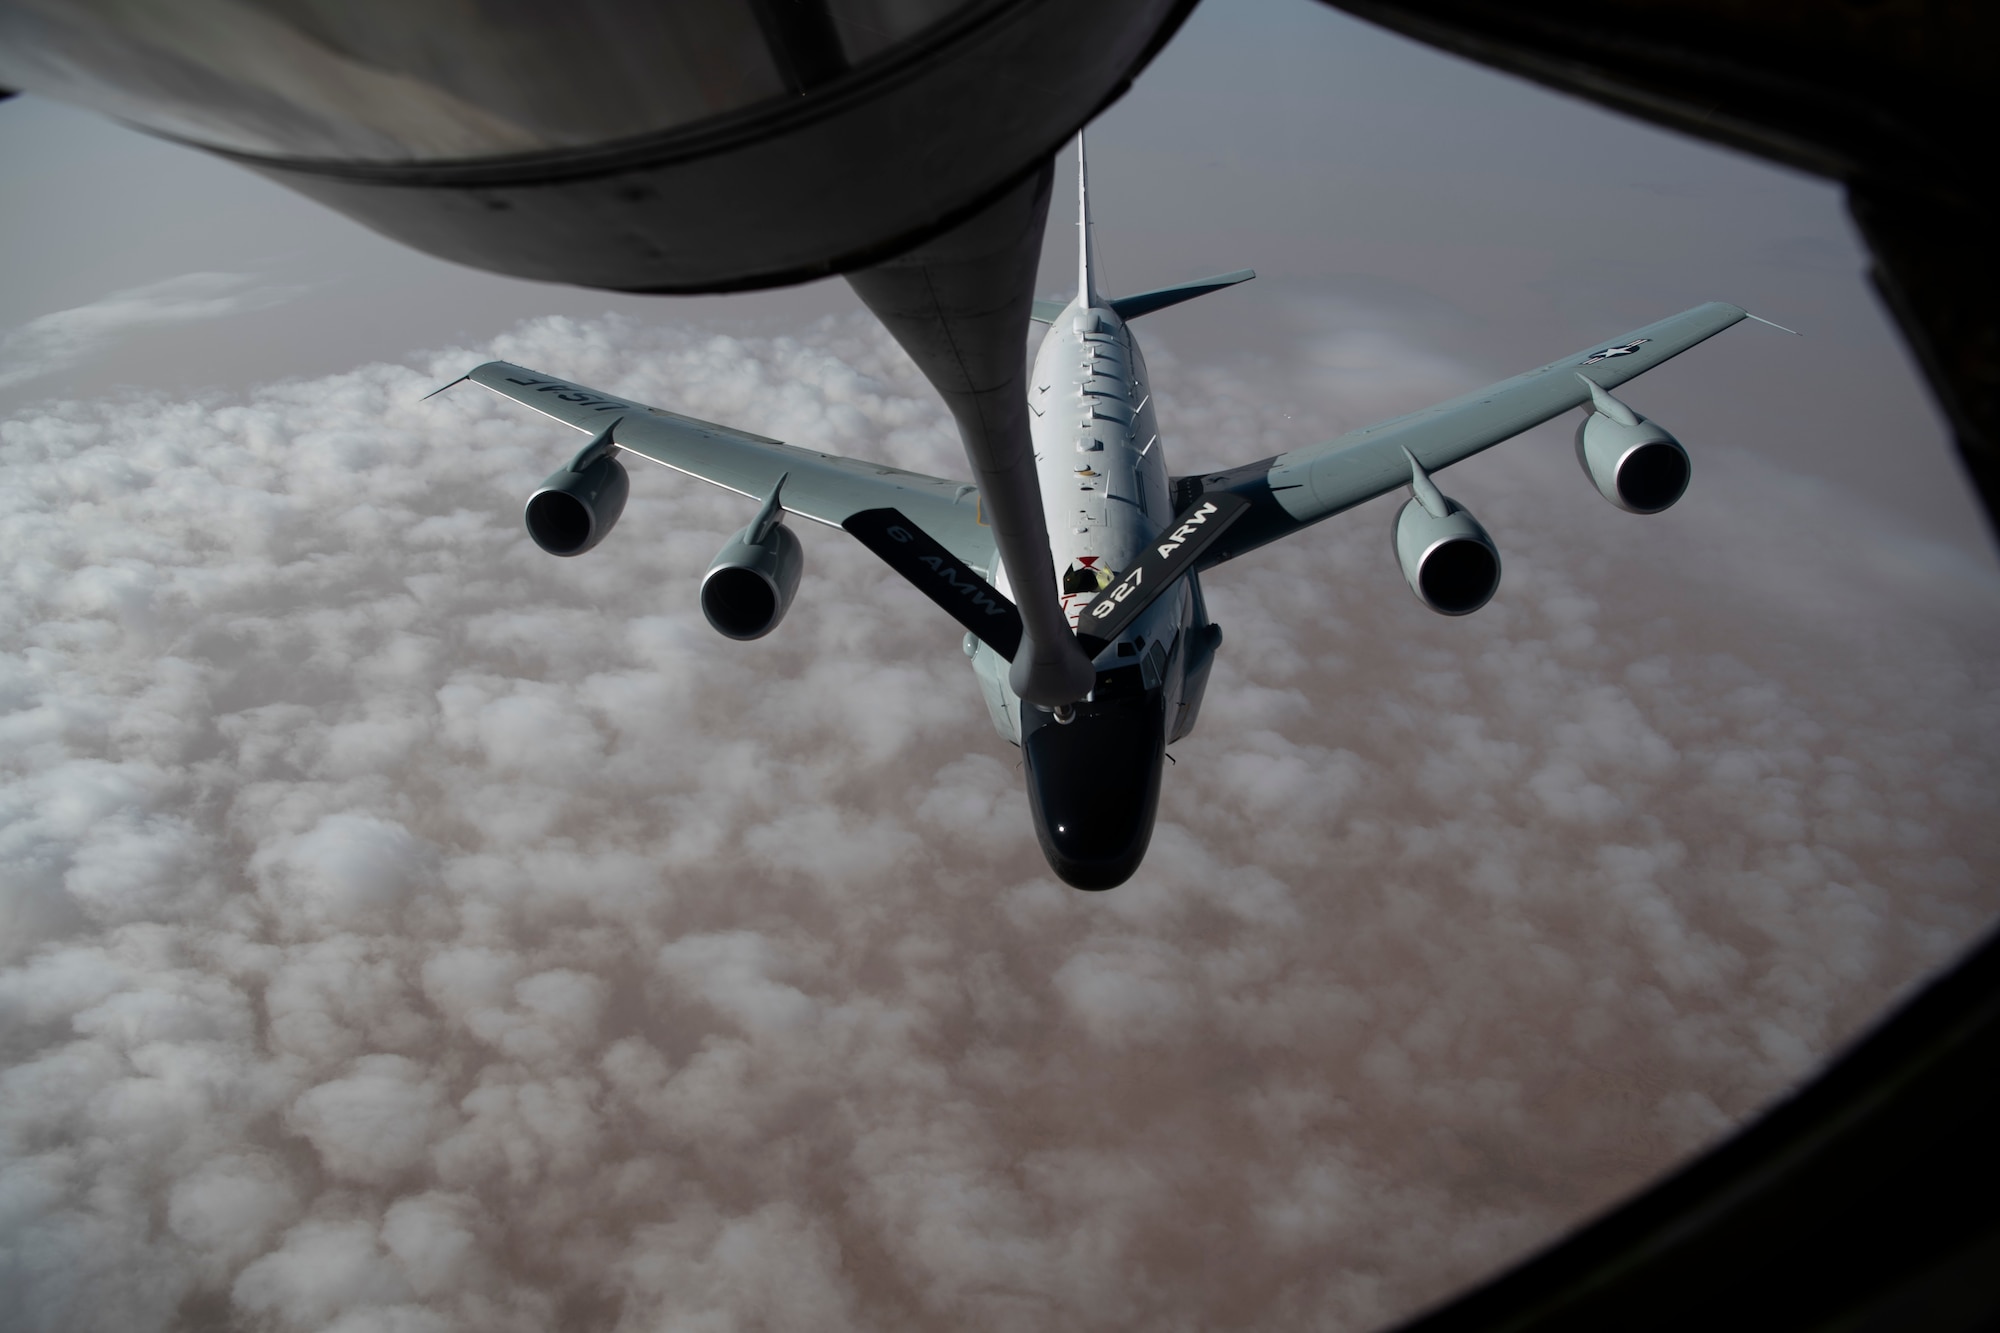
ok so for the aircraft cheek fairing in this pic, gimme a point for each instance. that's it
(1127, 541)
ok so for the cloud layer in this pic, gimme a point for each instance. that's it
(405, 930)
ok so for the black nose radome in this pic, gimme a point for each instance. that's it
(1094, 787)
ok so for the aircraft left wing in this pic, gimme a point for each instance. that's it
(1292, 490)
(825, 488)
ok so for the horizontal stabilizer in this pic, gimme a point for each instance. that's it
(940, 576)
(1048, 312)
(1145, 303)
(1171, 554)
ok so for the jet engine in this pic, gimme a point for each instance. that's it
(1452, 565)
(1633, 462)
(577, 505)
(748, 589)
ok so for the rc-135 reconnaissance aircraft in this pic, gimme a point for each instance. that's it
(1129, 540)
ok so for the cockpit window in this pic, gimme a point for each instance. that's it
(1082, 578)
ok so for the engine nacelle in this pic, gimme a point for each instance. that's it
(1633, 462)
(577, 506)
(1452, 565)
(748, 589)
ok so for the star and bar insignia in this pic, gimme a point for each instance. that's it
(1622, 349)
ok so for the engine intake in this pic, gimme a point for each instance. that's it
(1633, 462)
(749, 587)
(1451, 564)
(577, 506)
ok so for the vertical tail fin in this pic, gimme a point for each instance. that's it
(1086, 251)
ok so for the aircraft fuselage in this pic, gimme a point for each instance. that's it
(1094, 779)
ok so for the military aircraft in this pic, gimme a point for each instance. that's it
(1129, 539)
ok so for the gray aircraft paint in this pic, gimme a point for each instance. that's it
(1105, 490)
(822, 487)
(1101, 465)
(1303, 486)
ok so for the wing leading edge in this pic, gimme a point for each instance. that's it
(825, 488)
(1294, 490)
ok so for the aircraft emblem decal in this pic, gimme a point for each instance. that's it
(1622, 349)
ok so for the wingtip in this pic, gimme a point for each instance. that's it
(442, 387)
(1774, 324)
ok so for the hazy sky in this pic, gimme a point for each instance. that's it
(403, 930)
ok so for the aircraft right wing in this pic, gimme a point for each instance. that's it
(1293, 490)
(826, 488)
